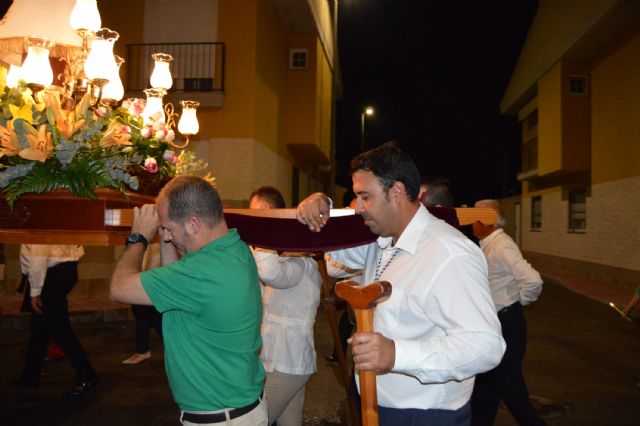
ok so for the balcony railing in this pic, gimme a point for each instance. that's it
(196, 67)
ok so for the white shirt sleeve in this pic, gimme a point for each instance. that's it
(347, 262)
(528, 279)
(34, 261)
(277, 272)
(459, 303)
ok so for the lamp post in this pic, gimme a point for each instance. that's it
(366, 111)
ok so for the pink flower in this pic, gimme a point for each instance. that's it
(151, 165)
(158, 125)
(134, 106)
(146, 132)
(125, 129)
(161, 135)
(171, 135)
(156, 116)
(170, 156)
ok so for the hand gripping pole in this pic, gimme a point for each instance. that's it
(363, 299)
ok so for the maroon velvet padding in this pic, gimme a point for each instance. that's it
(290, 235)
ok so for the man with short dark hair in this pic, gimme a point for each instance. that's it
(208, 292)
(438, 329)
(435, 191)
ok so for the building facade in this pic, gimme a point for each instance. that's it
(575, 90)
(263, 72)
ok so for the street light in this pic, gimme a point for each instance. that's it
(366, 111)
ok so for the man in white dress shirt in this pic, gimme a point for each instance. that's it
(53, 273)
(439, 328)
(290, 298)
(514, 284)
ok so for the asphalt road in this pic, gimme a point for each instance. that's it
(581, 368)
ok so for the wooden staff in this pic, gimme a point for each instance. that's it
(363, 299)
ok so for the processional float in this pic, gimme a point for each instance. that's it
(60, 218)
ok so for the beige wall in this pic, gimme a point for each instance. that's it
(557, 26)
(300, 114)
(576, 125)
(550, 121)
(243, 165)
(615, 137)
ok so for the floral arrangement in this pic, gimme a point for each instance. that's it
(44, 146)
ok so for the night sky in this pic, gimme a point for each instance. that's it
(436, 72)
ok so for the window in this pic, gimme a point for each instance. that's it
(536, 213)
(298, 59)
(578, 85)
(577, 211)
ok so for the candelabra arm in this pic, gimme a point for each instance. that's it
(184, 145)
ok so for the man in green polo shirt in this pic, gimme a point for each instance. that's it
(208, 293)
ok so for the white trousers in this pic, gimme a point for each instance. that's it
(285, 395)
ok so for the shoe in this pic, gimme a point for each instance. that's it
(25, 383)
(82, 389)
(137, 358)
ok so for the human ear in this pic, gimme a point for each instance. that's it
(398, 190)
(193, 225)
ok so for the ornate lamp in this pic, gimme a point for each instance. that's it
(113, 91)
(188, 124)
(36, 69)
(161, 75)
(14, 75)
(154, 105)
(101, 63)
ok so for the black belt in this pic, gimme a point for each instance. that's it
(509, 308)
(220, 417)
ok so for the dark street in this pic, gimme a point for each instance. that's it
(581, 368)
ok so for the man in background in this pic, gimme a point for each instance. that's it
(290, 298)
(435, 191)
(514, 284)
(52, 272)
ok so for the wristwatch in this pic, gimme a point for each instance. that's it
(137, 238)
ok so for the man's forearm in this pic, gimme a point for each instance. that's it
(126, 286)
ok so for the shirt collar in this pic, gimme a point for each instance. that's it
(410, 237)
(486, 240)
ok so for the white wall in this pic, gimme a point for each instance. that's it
(613, 226)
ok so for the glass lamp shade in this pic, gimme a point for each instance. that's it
(161, 75)
(101, 63)
(14, 75)
(114, 89)
(188, 124)
(154, 105)
(85, 16)
(36, 67)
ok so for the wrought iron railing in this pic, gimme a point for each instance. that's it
(196, 67)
